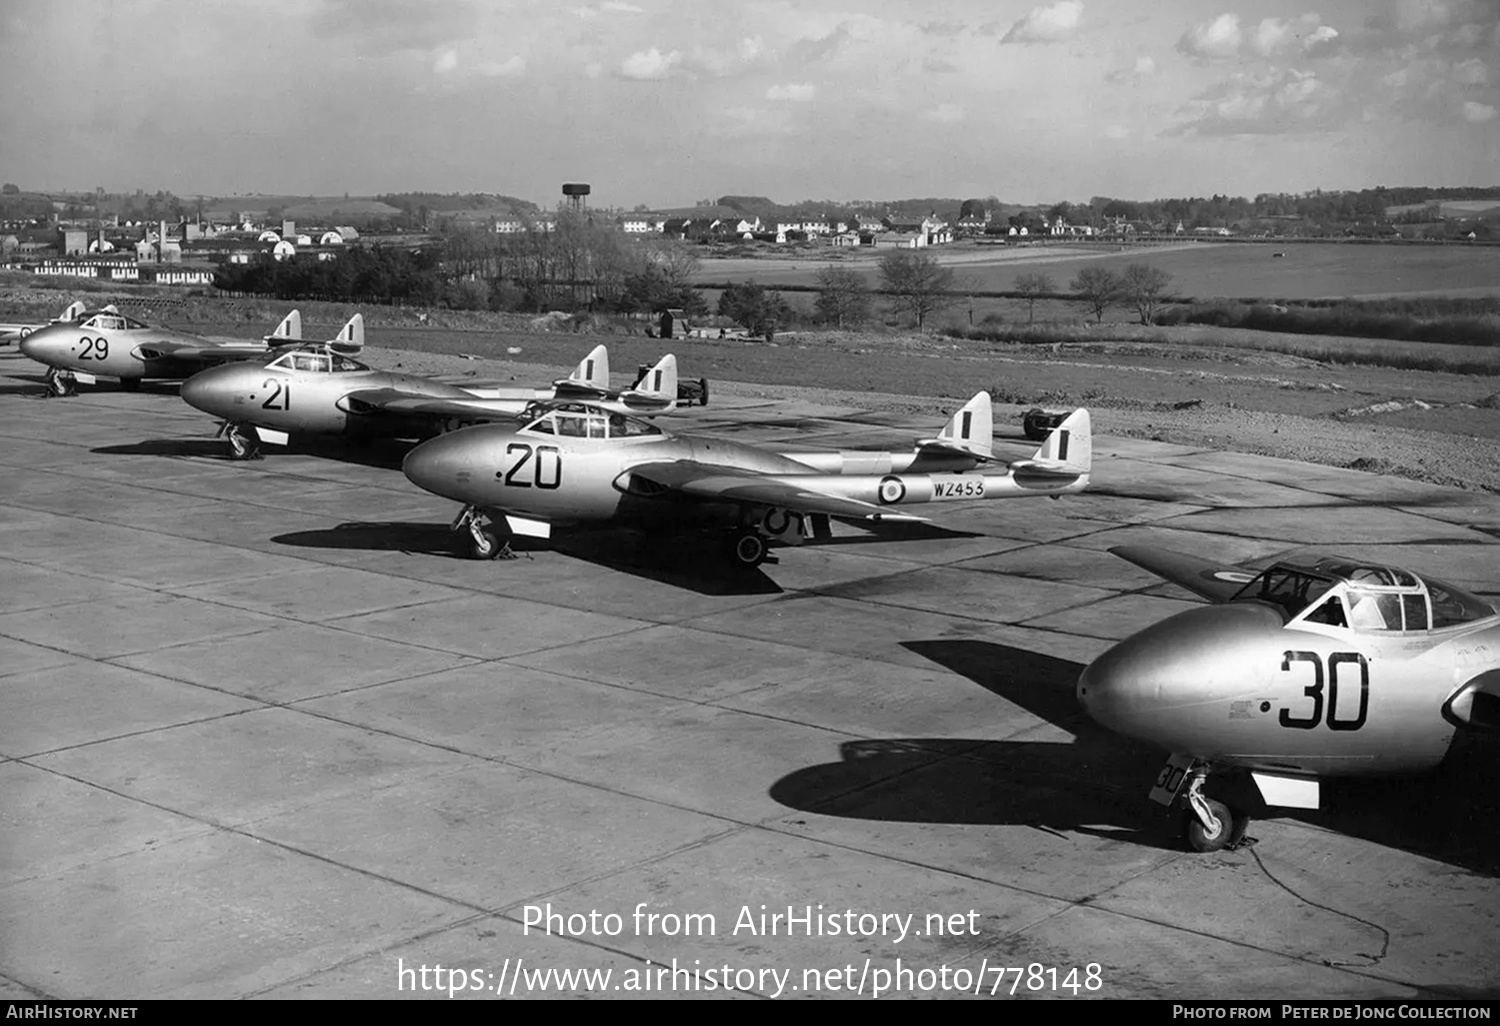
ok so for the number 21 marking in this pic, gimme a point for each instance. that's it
(280, 397)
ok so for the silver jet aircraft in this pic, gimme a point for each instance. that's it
(317, 391)
(1310, 669)
(574, 464)
(107, 343)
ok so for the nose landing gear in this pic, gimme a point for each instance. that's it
(244, 440)
(61, 383)
(479, 537)
(1208, 824)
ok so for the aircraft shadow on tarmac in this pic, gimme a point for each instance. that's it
(384, 454)
(688, 562)
(36, 385)
(1098, 783)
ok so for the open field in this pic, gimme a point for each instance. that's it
(261, 735)
(1202, 270)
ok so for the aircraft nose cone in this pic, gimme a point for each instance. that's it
(1154, 681)
(441, 465)
(209, 390)
(35, 346)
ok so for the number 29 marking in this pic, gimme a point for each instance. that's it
(94, 349)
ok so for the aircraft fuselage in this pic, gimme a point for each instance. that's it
(123, 353)
(1231, 685)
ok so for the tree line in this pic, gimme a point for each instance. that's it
(918, 285)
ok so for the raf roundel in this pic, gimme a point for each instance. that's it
(892, 489)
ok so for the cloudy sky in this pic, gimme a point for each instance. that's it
(663, 102)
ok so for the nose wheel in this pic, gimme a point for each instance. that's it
(479, 538)
(61, 383)
(1210, 825)
(244, 441)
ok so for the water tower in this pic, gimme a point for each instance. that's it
(576, 196)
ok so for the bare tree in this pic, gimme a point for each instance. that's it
(916, 282)
(1098, 287)
(1033, 287)
(1143, 286)
(842, 296)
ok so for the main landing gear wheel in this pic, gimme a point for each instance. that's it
(60, 383)
(748, 548)
(244, 441)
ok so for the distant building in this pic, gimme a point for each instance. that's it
(183, 276)
(75, 241)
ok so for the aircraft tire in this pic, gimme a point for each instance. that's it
(244, 443)
(747, 548)
(60, 385)
(483, 543)
(1198, 837)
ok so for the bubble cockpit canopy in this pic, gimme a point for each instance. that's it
(582, 420)
(1358, 596)
(315, 360)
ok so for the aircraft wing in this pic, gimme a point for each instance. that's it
(207, 352)
(710, 483)
(1216, 582)
(395, 401)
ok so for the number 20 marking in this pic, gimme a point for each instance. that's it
(1315, 691)
(546, 469)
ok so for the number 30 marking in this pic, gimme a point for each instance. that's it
(1315, 691)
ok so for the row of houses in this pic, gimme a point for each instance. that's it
(194, 248)
(712, 225)
(117, 269)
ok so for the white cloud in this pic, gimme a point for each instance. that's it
(1215, 39)
(1144, 68)
(608, 7)
(1264, 103)
(1478, 113)
(1281, 35)
(650, 64)
(446, 63)
(1472, 72)
(512, 68)
(1117, 132)
(794, 92)
(945, 113)
(1046, 24)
